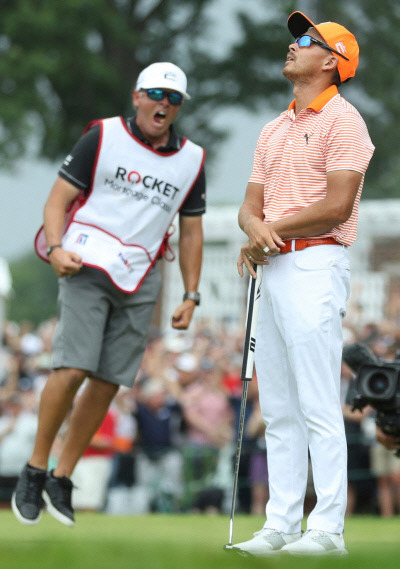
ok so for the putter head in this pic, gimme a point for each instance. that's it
(228, 547)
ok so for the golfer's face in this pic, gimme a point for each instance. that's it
(154, 117)
(305, 61)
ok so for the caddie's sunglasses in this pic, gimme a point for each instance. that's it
(306, 41)
(159, 94)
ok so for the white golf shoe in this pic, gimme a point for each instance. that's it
(266, 542)
(316, 542)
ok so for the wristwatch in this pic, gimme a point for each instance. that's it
(50, 249)
(192, 296)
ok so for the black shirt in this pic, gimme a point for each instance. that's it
(77, 168)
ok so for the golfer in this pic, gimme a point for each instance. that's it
(123, 183)
(300, 215)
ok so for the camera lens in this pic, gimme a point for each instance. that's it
(378, 383)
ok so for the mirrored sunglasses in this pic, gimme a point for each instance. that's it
(306, 41)
(159, 94)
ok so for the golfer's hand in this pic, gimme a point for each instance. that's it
(263, 243)
(244, 260)
(65, 262)
(389, 442)
(263, 240)
(183, 315)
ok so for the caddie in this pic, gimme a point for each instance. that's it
(106, 225)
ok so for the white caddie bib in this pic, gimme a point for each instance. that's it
(135, 194)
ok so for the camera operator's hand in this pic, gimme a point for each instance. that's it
(391, 443)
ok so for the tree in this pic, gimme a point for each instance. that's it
(374, 90)
(64, 63)
(69, 62)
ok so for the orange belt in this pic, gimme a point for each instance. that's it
(303, 243)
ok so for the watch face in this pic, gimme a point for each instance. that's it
(195, 296)
(51, 248)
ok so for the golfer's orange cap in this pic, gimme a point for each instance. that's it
(335, 35)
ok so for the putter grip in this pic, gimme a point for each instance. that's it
(251, 325)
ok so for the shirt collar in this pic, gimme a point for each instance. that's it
(174, 142)
(319, 102)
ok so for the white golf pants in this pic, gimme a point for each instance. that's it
(298, 359)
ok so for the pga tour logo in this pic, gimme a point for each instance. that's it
(82, 238)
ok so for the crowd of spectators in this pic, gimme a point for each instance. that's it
(168, 444)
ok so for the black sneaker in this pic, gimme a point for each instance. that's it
(26, 502)
(57, 495)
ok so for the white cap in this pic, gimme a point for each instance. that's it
(163, 75)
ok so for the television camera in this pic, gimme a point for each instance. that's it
(377, 383)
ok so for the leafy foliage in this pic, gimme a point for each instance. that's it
(65, 63)
(376, 25)
(69, 62)
(374, 91)
(72, 61)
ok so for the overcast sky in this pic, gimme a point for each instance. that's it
(24, 191)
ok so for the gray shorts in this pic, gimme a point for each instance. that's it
(101, 329)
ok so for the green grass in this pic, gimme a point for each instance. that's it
(176, 542)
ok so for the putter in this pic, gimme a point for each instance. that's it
(247, 375)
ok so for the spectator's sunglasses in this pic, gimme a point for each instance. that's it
(306, 41)
(159, 94)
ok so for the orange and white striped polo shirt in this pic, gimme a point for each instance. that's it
(295, 153)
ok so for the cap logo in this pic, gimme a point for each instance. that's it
(340, 47)
(170, 75)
